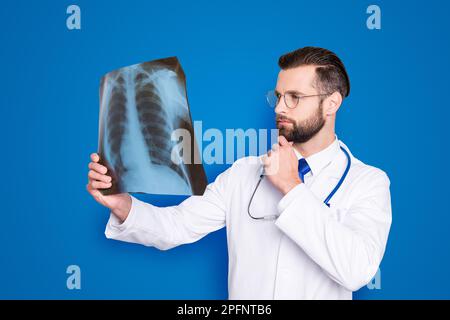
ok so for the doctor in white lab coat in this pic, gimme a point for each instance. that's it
(304, 249)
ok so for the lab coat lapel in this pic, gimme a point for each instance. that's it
(328, 178)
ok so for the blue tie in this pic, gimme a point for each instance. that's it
(303, 168)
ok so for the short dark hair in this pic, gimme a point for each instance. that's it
(331, 75)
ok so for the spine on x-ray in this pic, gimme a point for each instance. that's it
(116, 122)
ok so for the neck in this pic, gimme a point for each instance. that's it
(319, 142)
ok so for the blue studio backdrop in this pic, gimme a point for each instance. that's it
(395, 118)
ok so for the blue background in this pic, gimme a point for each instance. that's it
(396, 118)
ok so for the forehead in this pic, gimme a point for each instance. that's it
(300, 79)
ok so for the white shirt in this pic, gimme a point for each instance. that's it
(311, 251)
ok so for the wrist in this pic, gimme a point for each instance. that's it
(290, 185)
(123, 209)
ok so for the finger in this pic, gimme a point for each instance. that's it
(282, 141)
(265, 160)
(97, 167)
(94, 175)
(269, 153)
(94, 192)
(100, 185)
(95, 157)
(275, 147)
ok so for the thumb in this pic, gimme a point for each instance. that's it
(282, 141)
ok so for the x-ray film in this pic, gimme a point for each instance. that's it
(141, 107)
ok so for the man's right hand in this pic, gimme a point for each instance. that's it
(120, 204)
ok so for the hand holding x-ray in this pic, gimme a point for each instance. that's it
(99, 179)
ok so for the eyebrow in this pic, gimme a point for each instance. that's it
(291, 91)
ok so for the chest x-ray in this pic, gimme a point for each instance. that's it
(141, 106)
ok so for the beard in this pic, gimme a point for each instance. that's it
(304, 130)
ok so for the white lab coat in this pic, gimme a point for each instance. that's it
(310, 251)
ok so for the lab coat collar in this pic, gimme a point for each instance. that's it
(321, 159)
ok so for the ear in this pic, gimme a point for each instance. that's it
(332, 103)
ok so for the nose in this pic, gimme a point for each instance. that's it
(281, 106)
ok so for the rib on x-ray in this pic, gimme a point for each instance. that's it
(140, 106)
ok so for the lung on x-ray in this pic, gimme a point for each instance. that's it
(140, 108)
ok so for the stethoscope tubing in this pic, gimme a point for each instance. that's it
(327, 199)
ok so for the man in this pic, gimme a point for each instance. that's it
(315, 227)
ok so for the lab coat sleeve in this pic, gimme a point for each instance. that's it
(167, 227)
(349, 245)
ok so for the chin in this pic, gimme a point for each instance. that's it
(287, 135)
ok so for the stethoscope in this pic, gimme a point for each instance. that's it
(326, 201)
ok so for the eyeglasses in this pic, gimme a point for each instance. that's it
(291, 99)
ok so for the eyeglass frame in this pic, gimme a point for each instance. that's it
(299, 97)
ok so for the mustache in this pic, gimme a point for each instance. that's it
(283, 118)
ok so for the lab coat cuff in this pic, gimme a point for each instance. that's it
(289, 197)
(296, 208)
(115, 226)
